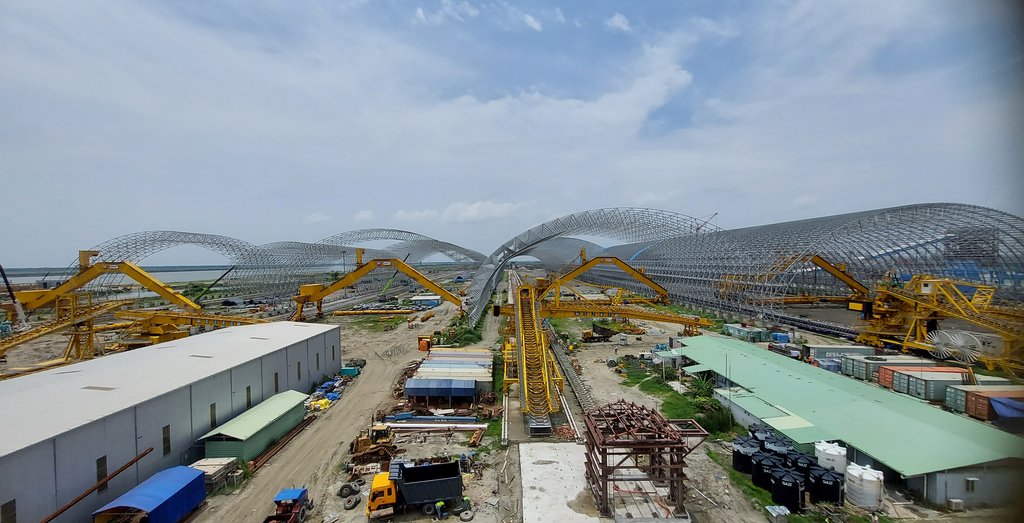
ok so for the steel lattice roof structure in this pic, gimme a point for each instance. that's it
(741, 270)
(746, 270)
(278, 268)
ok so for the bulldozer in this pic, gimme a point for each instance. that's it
(373, 445)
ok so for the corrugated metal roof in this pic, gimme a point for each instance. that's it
(124, 380)
(902, 432)
(248, 423)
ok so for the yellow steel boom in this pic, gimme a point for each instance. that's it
(315, 293)
(34, 299)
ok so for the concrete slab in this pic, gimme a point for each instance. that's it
(554, 484)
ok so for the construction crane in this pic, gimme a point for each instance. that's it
(732, 286)
(908, 316)
(88, 271)
(315, 292)
(588, 309)
(75, 312)
(384, 292)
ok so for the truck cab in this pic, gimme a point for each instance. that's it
(407, 486)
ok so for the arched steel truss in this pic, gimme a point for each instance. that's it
(744, 270)
(277, 269)
(748, 270)
(625, 224)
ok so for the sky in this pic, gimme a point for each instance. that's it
(473, 121)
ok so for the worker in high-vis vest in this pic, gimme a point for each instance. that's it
(440, 510)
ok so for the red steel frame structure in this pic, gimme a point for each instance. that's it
(625, 436)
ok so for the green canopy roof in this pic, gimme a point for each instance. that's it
(248, 423)
(807, 403)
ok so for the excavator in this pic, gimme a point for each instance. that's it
(315, 292)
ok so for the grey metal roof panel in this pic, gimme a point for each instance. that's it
(79, 394)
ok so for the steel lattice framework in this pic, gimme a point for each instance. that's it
(747, 270)
(626, 224)
(277, 269)
(742, 270)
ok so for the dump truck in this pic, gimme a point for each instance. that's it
(414, 487)
(291, 506)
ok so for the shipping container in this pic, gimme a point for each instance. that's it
(956, 395)
(865, 367)
(978, 404)
(887, 379)
(836, 351)
(903, 380)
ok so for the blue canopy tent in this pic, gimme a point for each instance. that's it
(166, 497)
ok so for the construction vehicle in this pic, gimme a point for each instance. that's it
(373, 445)
(375, 435)
(417, 487)
(291, 506)
(315, 292)
(589, 336)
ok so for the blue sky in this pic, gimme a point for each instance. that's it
(473, 121)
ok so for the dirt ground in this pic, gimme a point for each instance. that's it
(313, 457)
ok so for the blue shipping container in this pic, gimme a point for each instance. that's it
(780, 337)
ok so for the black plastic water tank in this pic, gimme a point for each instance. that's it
(827, 487)
(812, 471)
(762, 434)
(743, 448)
(777, 446)
(788, 489)
(802, 463)
(762, 473)
(756, 426)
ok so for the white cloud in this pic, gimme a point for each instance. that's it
(532, 23)
(416, 215)
(803, 112)
(364, 216)
(316, 217)
(481, 211)
(558, 16)
(449, 10)
(467, 212)
(618, 22)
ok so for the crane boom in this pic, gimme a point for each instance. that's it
(315, 293)
(34, 299)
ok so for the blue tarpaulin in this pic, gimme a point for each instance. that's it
(1008, 407)
(166, 497)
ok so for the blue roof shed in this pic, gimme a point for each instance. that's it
(166, 497)
(439, 388)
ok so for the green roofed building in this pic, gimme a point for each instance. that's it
(938, 454)
(250, 433)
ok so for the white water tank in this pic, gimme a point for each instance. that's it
(864, 486)
(830, 456)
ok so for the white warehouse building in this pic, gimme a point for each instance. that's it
(67, 427)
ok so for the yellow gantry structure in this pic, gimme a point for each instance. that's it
(905, 315)
(87, 272)
(315, 292)
(75, 312)
(638, 274)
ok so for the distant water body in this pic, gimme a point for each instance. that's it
(166, 276)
